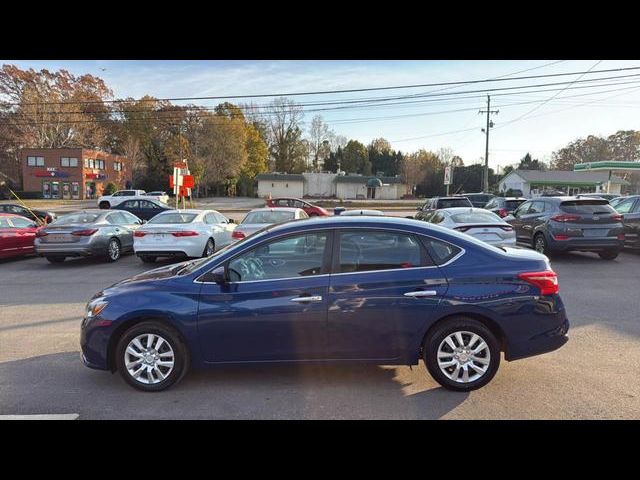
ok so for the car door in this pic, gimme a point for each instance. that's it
(131, 206)
(147, 210)
(532, 220)
(226, 227)
(8, 238)
(124, 225)
(24, 233)
(382, 290)
(273, 306)
(517, 221)
(630, 209)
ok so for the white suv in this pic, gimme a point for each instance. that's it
(108, 201)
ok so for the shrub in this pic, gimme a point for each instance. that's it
(110, 189)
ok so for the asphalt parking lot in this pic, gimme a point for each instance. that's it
(595, 375)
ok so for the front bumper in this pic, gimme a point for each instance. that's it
(94, 344)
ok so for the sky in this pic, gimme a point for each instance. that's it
(536, 122)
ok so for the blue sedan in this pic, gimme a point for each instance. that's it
(382, 290)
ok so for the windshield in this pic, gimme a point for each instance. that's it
(173, 218)
(268, 217)
(476, 217)
(454, 202)
(77, 218)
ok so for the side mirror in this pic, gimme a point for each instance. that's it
(218, 276)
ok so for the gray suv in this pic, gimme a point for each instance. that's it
(562, 224)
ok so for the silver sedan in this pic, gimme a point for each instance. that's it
(477, 222)
(259, 218)
(100, 233)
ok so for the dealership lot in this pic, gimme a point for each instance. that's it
(594, 376)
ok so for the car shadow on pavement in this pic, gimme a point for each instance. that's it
(59, 383)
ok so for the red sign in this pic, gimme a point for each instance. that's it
(187, 181)
(50, 173)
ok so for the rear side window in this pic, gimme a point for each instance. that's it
(364, 251)
(441, 251)
(587, 207)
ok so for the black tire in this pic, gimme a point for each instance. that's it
(104, 205)
(609, 254)
(171, 336)
(56, 259)
(114, 250)
(539, 244)
(443, 330)
(148, 259)
(209, 248)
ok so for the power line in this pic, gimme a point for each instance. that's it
(320, 92)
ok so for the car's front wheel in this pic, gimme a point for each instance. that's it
(150, 356)
(461, 354)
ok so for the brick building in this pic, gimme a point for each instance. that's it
(72, 173)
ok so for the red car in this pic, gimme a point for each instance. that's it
(311, 210)
(16, 235)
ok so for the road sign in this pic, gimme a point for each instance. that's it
(447, 175)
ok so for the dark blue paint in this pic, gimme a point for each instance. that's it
(363, 316)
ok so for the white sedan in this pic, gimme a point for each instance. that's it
(182, 233)
(477, 222)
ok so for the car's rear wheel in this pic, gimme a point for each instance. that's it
(609, 254)
(461, 354)
(209, 248)
(104, 205)
(56, 259)
(114, 250)
(540, 244)
(150, 356)
(148, 259)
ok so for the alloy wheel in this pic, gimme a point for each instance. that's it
(114, 249)
(209, 249)
(540, 245)
(149, 358)
(463, 356)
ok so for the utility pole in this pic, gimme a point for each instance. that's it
(488, 111)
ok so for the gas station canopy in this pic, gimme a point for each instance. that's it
(609, 166)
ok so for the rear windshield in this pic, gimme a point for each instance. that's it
(513, 204)
(268, 217)
(77, 218)
(454, 202)
(476, 217)
(587, 207)
(173, 218)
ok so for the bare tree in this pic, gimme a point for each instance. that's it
(320, 136)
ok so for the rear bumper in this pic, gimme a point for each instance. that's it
(162, 253)
(542, 343)
(585, 244)
(70, 250)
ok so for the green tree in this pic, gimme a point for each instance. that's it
(257, 160)
(355, 158)
(528, 163)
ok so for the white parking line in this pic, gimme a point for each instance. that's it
(62, 416)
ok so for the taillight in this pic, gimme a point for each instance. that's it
(507, 228)
(621, 236)
(85, 233)
(565, 218)
(503, 212)
(561, 237)
(186, 233)
(238, 235)
(618, 217)
(138, 233)
(546, 281)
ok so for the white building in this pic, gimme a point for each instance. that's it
(533, 183)
(330, 185)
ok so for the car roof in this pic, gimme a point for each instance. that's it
(358, 211)
(456, 197)
(454, 210)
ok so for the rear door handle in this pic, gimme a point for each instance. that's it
(314, 298)
(421, 293)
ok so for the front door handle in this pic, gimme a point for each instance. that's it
(421, 293)
(314, 298)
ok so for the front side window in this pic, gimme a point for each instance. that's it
(131, 204)
(363, 251)
(20, 222)
(294, 256)
(625, 206)
(522, 209)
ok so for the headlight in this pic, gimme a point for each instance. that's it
(95, 307)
